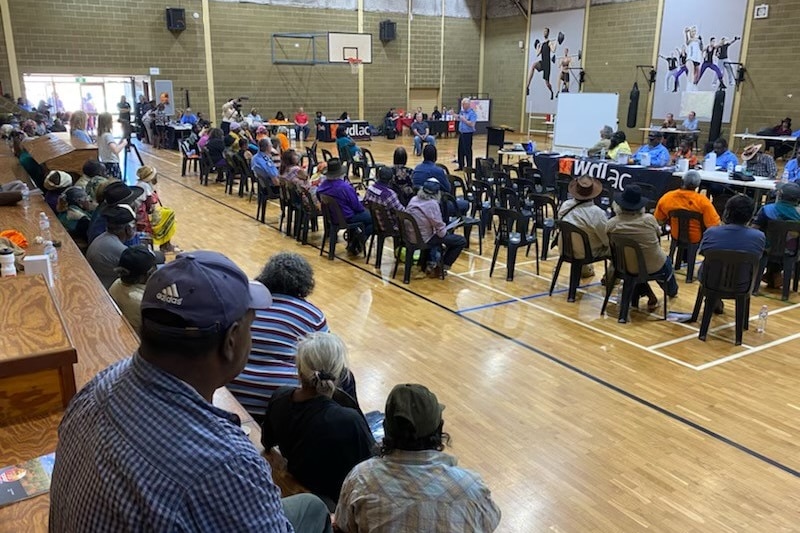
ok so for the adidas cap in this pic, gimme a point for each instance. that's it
(205, 289)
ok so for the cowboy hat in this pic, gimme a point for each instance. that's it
(585, 188)
(631, 198)
(750, 152)
(335, 168)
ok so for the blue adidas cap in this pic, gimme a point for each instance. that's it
(205, 289)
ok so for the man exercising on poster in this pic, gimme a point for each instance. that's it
(545, 50)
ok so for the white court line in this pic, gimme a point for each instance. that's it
(580, 323)
(751, 351)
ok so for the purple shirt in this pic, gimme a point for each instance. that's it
(344, 194)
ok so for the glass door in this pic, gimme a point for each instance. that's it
(93, 101)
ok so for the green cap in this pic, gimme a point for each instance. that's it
(417, 406)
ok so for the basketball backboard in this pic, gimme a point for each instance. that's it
(342, 46)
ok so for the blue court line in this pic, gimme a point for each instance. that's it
(512, 300)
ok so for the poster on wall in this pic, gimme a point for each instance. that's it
(555, 44)
(164, 96)
(481, 106)
(698, 40)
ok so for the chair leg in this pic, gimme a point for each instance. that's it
(324, 239)
(627, 295)
(740, 319)
(788, 273)
(494, 259)
(397, 259)
(511, 262)
(546, 231)
(555, 274)
(333, 236)
(409, 264)
(369, 248)
(691, 256)
(697, 303)
(711, 303)
(183, 166)
(379, 251)
(574, 280)
(609, 290)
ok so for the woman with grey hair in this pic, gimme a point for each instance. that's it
(321, 438)
(276, 331)
(603, 143)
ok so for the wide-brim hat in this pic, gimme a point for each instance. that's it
(585, 188)
(118, 193)
(631, 198)
(146, 173)
(751, 151)
(57, 179)
(335, 168)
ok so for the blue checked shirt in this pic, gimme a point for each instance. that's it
(140, 450)
(415, 491)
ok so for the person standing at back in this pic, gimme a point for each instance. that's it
(467, 119)
(108, 148)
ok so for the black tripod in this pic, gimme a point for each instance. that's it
(128, 147)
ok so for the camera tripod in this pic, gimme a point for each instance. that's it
(128, 147)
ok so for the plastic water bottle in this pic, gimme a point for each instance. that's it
(52, 254)
(44, 227)
(602, 153)
(730, 169)
(762, 319)
(785, 177)
(26, 198)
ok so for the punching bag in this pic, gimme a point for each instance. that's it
(715, 129)
(633, 107)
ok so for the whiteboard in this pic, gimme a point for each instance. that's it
(701, 102)
(581, 116)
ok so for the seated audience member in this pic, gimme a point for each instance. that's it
(792, 168)
(759, 163)
(690, 123)
(689, 199)
(104, 252)
(618, 146)
(424, 207)
(684, 151)
(784, 129)
(632, 222)
(188, 117)
(422, 134)
(657, 152)
(301, 124)
(204, 137)
(348, 149)
(345, 196)
(152, 217)
(283, 138)
(322, 439)
(77, 126)
(603, 144)
(724, 156)
(169, 439)
(55, 183)
(734, 235)
(216, 146)
(427, 169)
(74, 212)
(379, 192)
(262, 164)
(110, 193)
(253, 119)
(261, 133)
(275, 332)
(581, 211)
(413, 485)
(669, 121)
(280, 117)
(92, 168)
(401, 179)
(136, 265)
(345, 116)
(436, 115)
(784, 208)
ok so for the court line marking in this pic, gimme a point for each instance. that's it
(553, 359)
(756, 349)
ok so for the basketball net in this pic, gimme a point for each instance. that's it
(354, 63)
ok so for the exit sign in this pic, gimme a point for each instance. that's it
(80, 80)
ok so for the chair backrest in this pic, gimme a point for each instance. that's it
(326, 155)
(409, 229)
(331, 211)
(574, 242)
(443, 167)
(508, 199)
(447, 205)
(368, 157)
(628, 258)
(526, 187)
(457, 185)
(533, 174)
(512, 171)
(782, 238)
(230, 161)
(482, 192)
(382, 219)
(508, 221)
(729, 271)
(543, 207)
(312, 158)
(562, 186)
(683, 219)
(285, 195)
(308, 202)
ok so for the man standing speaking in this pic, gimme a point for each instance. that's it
(467, 119)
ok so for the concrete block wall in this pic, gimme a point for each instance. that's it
(503, 67)
(461, 57)
(385, 78)
(426, 35)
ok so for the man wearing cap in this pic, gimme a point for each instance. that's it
(689, 199)
(657, 152)
(345, 196)
(136, 264)
(581, 211)
(759, 163)
(785, 208)
(114, 193)
(142, 448)
(104, 252)
(413, 485)
(424, 207)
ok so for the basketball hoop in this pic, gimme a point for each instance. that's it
(354, 63)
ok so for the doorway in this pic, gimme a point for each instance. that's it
(424, 98)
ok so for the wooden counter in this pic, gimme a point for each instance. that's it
(59, 151)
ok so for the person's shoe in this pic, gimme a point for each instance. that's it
(719, 308)
(587, 271)
(433, 271)
(652, 305)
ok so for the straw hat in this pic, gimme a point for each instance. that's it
(146, 173)
(751, 151)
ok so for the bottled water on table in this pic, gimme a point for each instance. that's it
(762, 319)
(26, 198)
(785, 177)
(730, 169)
(52, 253)
(44, 227)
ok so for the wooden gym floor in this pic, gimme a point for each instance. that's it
(576, 422)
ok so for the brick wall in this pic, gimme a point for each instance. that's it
(5, 75)
(502, 75)
(426, 35)
(462, 45)
(385, 79)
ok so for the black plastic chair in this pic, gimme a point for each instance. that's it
(326, 155)
(443, 167)
(783, 241)
(575, 250)
(682, 245)
(411, 238)
(333, 221)
(629, 266)
(449, 205)
(649, 192)
(511, 222)
(383, 228)
(561, 191)
(725, 275)
(186, 159)
(482, 202)
(287, 207)
(367, 168)
(207, 166)
(264, 192)
(545, 213)
(308, 215)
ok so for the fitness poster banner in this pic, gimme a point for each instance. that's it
(698, 39)
(555, 50)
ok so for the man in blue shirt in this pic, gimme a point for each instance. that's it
(690, 122)
(188, 117)
(428, 169)
(467, 119)
(142, 447)
(659, 155)
(724, 156)
(793, 168)
(422, 134)
(263, 166)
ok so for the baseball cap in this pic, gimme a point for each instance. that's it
(431, 186)
(206, 290)
(790, 192)
(137, 260)
(412, 405)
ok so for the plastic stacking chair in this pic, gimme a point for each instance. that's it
(680, 245)
(188, 160)
(449, 205)
(308, 215)
(725, 275)
(443, 167)
(513, 232)
(783, 241)
(383, 227)
(287, 207)
(368, 169)
(575, 250)
(333, 221)
(264, 193)
(412, 241)
(627, 259)
(544, 212)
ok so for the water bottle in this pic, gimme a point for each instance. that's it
(44, 227)
(730, 169)
(785, 177)
(52, 254)
(7, 268)
(762, 319)
(602, 153)
(26, 198)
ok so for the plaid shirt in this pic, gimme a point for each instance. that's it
(140, 450)
(415, 491)
(763, 165)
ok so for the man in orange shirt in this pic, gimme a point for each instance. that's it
(689, 199)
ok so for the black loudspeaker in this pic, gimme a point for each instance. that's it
(388, 30)
(715, 129)
(176, 19)
(633, 107)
